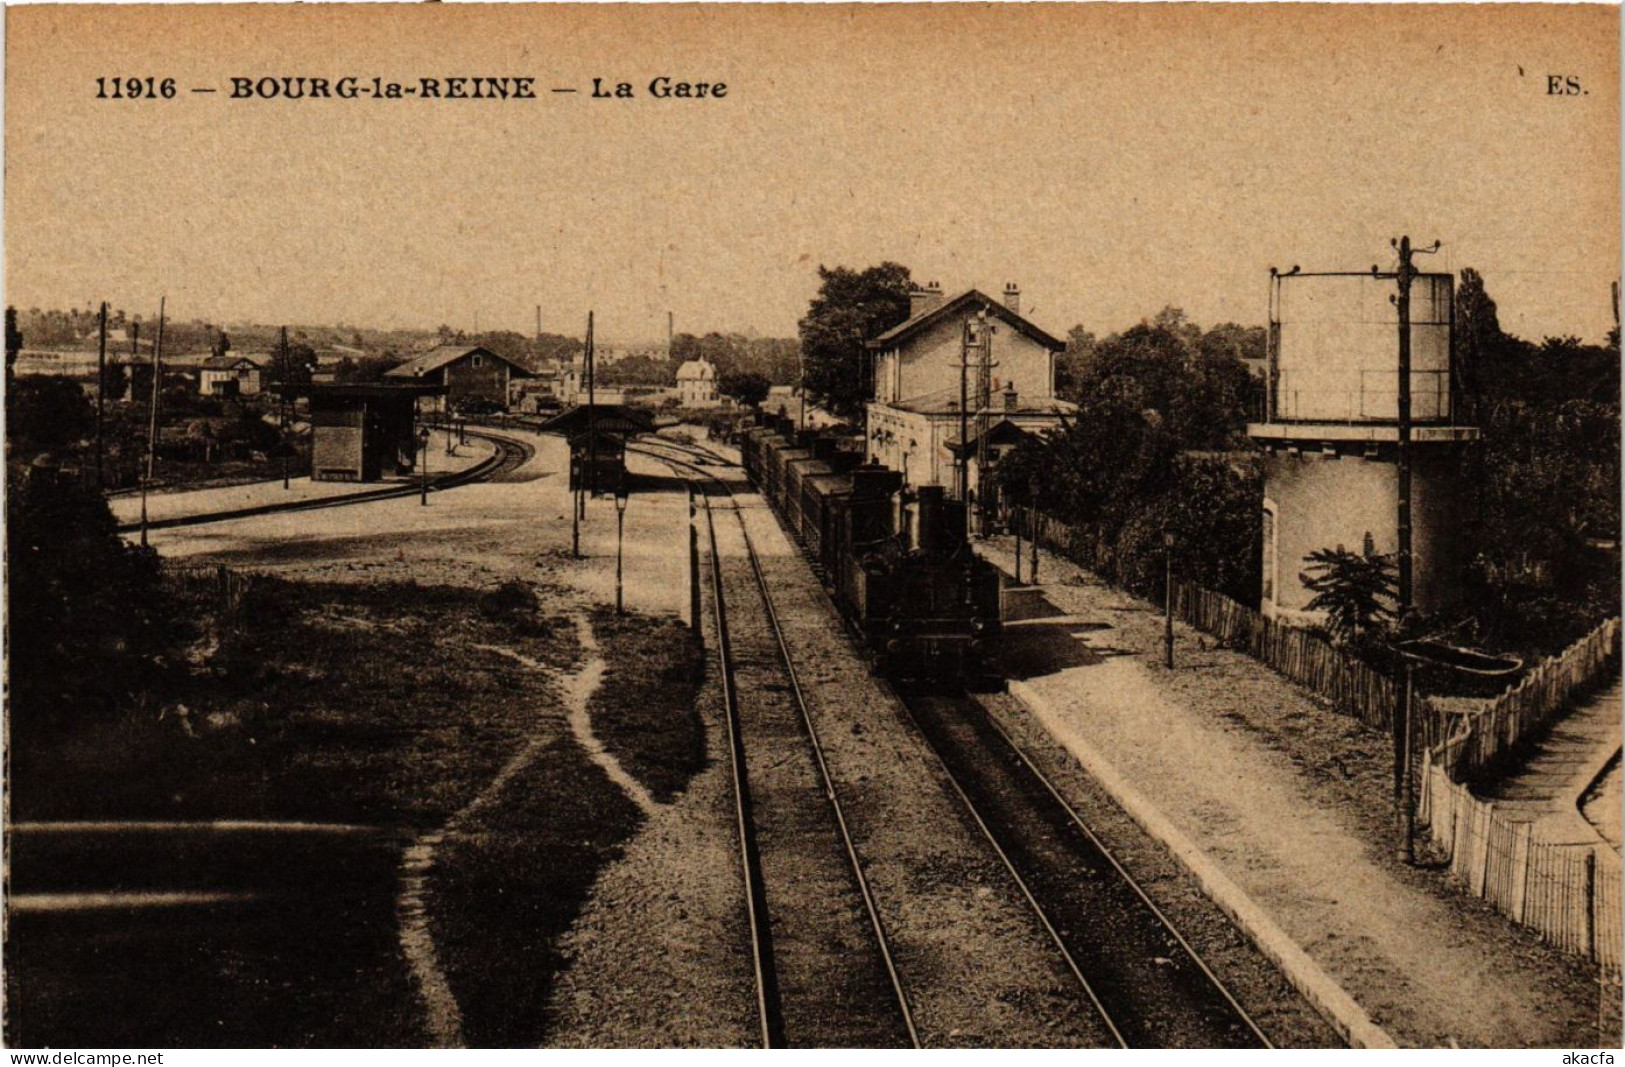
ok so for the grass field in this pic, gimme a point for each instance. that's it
(372, 706)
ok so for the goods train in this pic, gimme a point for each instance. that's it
(896, 562)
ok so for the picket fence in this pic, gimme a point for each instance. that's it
(1569, 893)
(1527, 707)
(1302, 656)
(203, 579)
(1352, 687)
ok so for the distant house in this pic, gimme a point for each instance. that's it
(229, 375)
(468, 373)
(919, 425)
(697, 384)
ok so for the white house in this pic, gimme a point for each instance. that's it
(917, 423)
(229, 375)
(697, 384)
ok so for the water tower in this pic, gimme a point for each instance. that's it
(1332, 432)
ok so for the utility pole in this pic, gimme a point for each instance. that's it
(152, 417)
(964, 418)
(101, 394)
(592, 416)
(282, 401)
(801, 388)
(1016, 516)
(1405, 739)
(984, 401)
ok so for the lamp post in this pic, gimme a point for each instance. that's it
(1016, 515)
(620, 537)
(1032, 534)
(423, 473)
(1168, 598)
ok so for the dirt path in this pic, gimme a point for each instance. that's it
(440, 1006)
(578, 686)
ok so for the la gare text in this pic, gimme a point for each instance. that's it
(302, 87)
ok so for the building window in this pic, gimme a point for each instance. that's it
(479, 361)
(1268, 589)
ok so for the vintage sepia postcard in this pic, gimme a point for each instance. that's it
(839, 525)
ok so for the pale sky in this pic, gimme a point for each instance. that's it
(1109, 160)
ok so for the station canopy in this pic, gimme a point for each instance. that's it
(619, 419)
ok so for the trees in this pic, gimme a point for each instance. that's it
(1546, 476)
(746, 387)
(291, 372)
(46, 414)
(77, 595)
(365, 369)
(851, 307)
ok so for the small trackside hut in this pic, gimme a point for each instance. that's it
(597, 434)
(364, 432)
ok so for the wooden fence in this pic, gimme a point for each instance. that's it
(1305, 658)
(203, 579)
(1491, 731)
(1569, 893)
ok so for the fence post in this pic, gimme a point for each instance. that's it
(1521, 835)
(693, 565)
(1481, 856)
(1590, 940)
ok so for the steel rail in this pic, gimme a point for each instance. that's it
(507, 449)
(829, 787)
(1015, 875)
(877, 926)
(1162, 918)
(767, 1007)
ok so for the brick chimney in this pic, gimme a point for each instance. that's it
(1012, 297)
(923, 300)
(1010, 397)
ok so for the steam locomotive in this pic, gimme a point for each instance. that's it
(896, 561)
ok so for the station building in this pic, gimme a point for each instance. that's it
(465, 373)
(914, 421)
(1331, 433)
(363, 432)
(229, 375)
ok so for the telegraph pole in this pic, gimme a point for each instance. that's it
(1405, 740)
(282, 401)
(101, 394)
(592, 414)
(984, 400)
(152, 417)
(964, 419)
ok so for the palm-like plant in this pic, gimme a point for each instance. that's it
(1354, 589)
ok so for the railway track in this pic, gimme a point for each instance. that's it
(1148, 984)
(510, 455)
(824, 970)
(1137, 973)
